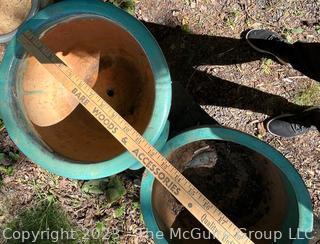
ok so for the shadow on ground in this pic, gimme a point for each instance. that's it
(183, 51)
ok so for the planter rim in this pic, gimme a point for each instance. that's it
(30, 145)
(305, 222)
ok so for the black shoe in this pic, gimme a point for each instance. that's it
(290, 125)
(265, 41)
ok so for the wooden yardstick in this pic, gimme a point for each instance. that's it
(189, 196)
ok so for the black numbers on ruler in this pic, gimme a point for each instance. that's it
(222, 220)
(192, 191)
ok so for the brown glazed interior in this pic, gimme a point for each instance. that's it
(124, 79)
(248, 189)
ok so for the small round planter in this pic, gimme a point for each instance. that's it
(34, 9)
(291, 206)
(76, 147)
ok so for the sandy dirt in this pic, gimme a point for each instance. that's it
(12, 14)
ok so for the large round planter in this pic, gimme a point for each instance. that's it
(297, 207)
(34, 9)
(35, 142)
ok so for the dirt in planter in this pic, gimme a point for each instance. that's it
(246, 187)
(12, 14)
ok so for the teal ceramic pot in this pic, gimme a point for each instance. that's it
(296, 221)
(28, 137)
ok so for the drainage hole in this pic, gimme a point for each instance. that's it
(110, 92)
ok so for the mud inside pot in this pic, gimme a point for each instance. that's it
(245, 186)
(122, 76)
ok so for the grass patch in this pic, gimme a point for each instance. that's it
(115, 189)
(309, 97)
(45, 218)
(7, 170)
(1, 124)
(266, 65)
(127, 5)
(136, 205)
(112, 187)
(185, 28)
(120, 211)
(14, 156)
(232, 19)
(2, 156)
(288, 33)
(298, 30)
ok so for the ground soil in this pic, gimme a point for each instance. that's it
(13, 13)
(234, 85)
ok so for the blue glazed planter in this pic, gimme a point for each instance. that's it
(19, 127)
(299, 207)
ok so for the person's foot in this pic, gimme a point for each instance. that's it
(269, 42)
(290, 125)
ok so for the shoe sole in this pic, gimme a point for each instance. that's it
(263, 51)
